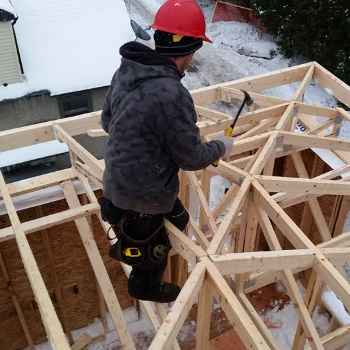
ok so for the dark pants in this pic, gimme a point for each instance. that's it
(140, 227)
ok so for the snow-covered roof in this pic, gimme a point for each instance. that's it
(6, 5)
(67, 46)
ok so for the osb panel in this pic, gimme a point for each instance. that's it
(76, 283)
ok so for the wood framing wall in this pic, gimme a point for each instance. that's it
(67, 274)
(217, 256)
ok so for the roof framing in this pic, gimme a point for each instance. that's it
(255, 200)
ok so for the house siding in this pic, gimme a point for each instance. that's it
(10, 70)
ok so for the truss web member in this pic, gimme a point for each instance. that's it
(151, 122)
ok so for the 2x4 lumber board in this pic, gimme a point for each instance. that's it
(246, 118)
(229, 93)
(344, 114)
(235, 312)
(49, 317)
(229, 171)
(206, 95)
(199, 235)
(39, 182)
(311, 297)
(313, 110)
(329, 81)
(305, 186)
(92, 162)
(260, 280)
(182, 244)
(250, 143)
(50, 220)
(299, 94)
(57, 288)
(330, 275)
(146, 305)
(256, 83)
(336, 339)
(262, 114)
(260, 324)
(263, 126)
(42, 132)
(287, 226)
(180, 309)
(292, 232)
(205, 305)
(315, 207)
(204, 205)
(275, 260)
(290, 281)
(99, 269)
(312, 141)
(285, 200)
(219, 239)
(319, 129)
(267, 152)
(16, 304)
(286, 119)
(206, 176)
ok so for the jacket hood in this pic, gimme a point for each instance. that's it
(140, 63)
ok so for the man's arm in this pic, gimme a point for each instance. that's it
(183, 137)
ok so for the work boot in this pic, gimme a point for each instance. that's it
(144, 285)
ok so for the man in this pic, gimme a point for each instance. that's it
(151, 122)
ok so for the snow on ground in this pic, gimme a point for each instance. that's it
(141, 331)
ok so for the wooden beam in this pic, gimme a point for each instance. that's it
(42, 132)
(205, 305)
(176, 317)
(315, 207)
(235, 312)
(275, 260)
(99, 269)
(299, 94)
(329, 81)
(50, 221)
(49, 317)
(229, 93)
(304, 186)
(225, 227)
(92, 162)
(312, 141)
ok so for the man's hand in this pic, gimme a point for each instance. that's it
(228, 142)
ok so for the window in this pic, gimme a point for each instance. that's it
(10, 67)
(75, 104)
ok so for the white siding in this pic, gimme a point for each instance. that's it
(10, 71)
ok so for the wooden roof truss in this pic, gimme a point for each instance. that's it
(223, 260)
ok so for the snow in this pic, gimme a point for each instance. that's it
(68, 46)
(332, 302)
(7, 6)
(141, 331)
(29, 153)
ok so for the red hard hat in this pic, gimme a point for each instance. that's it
(182, 17)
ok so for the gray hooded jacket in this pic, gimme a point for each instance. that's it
(151, 122)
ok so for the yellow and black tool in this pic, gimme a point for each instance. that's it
(229, 131)
(246, 101)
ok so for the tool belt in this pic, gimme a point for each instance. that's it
(147, 254)
(142, 239)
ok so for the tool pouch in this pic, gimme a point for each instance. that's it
(146, 254)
